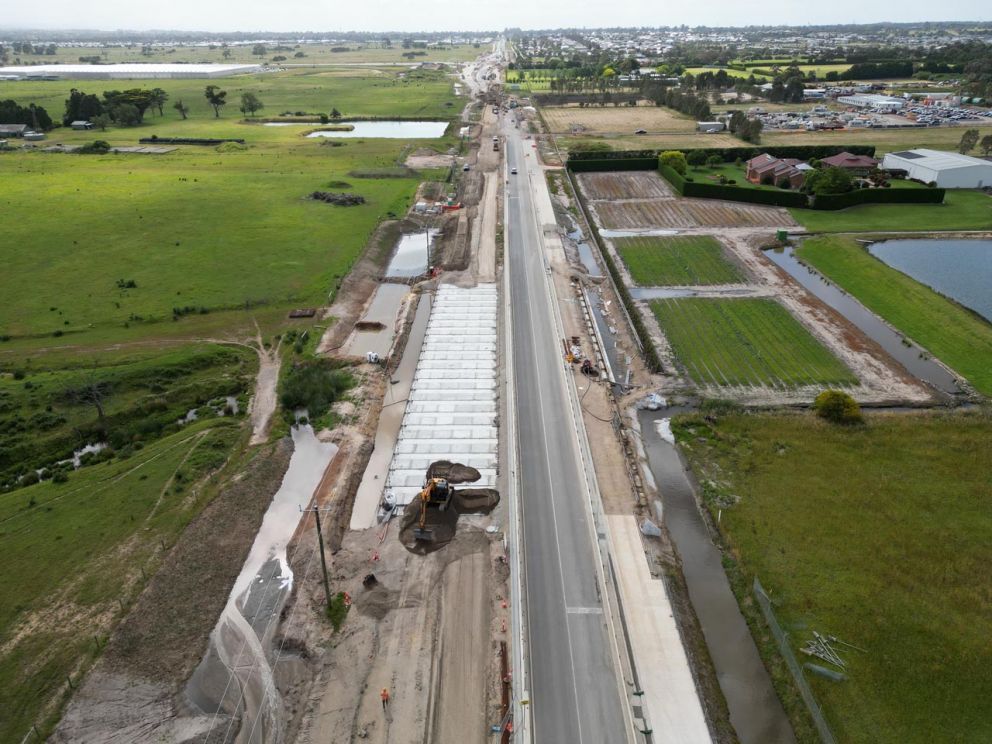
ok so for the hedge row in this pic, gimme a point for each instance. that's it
(877, 196)
(156, 140)
(732, 193)
(627, 164)
(727, 154)
(651, 357)
(611, 154)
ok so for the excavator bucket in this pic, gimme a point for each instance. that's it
(423, 534)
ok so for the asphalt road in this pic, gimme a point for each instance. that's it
(574, 694)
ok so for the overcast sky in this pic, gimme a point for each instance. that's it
(404, 15)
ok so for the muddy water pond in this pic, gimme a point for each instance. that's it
(412, 255)
(959, 269)
(242, 638)
(755, 710)
(906, 353)
(385, 305)
(388, 130)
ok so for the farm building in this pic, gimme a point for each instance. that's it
(710, 127)
(948, 170)
(81, 124)
(856, 164)
(873, 102)
(135, 71)
(13, 130)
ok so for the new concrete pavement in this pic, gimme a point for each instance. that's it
(573, 678)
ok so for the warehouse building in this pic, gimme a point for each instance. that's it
(135, 71)
(948, 170)
(873, 102)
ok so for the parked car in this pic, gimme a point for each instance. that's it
(513, 171)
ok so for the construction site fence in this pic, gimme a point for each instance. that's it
(782, 638)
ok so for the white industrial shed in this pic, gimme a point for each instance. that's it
(137, 71)
(948, 170)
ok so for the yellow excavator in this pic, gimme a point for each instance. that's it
(436, 494)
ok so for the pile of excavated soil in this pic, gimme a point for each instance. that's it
(443, 524)
(453, 472)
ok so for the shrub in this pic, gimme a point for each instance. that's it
(314, 386)
(768, 180)
(784, 183)
(674, 160)
(838, 407)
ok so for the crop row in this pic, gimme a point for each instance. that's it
(676, 260)
(749, 342)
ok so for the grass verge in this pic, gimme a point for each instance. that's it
(955, 335)
(961, 210)
(877, 535)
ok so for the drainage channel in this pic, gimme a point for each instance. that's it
(903, 351)
(756, 713)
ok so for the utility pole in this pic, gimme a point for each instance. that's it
(323, 561)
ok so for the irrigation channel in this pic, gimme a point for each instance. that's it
(902, 350)
(234, 682)
(756, 713)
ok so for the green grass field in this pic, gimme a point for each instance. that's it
(878, 535)
(358, 53)
(684, 259)
(199, 227)
(354, 92)
(961, 210)
(76, 548)
(746, 342)
(954, 335)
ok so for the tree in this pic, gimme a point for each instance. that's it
(91, 391)
(140, 99)
(101, 121)
(986, 144)
(250, 103)
(335, 114)
(81, 106)
(226, 54)
(182, 108)
(126, 115)
(675, 160)
(828, 181)
(968, 141)
(838, 407)
(159, 97)
(713, 161)
(259, 50)
(215, 97)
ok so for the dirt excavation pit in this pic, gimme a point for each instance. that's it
(442, 523)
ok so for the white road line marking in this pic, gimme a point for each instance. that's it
(584, 610)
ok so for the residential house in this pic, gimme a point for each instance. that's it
(856, 165)
(765, 168)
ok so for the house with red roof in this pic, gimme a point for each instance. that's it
(766, 169)
(856, 165)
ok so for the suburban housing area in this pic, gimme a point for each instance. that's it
(600, 385)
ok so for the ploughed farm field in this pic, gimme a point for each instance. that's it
(676, 260)
(746, 342)
(875, 534)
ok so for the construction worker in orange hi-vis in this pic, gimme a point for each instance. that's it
(385, 697)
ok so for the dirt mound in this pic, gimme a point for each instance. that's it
(369, 325)
(340, 199)
(443, 524)
(452, 472)
(377, 601)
